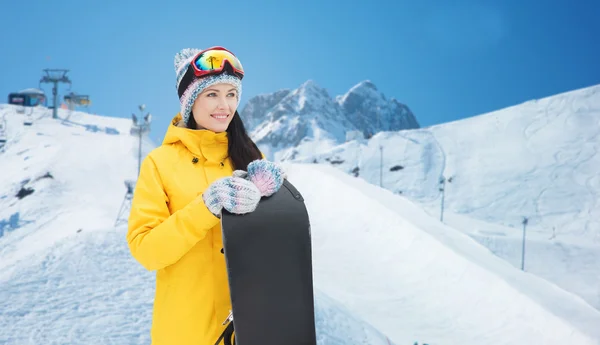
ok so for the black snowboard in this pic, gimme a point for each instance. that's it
(269, 263)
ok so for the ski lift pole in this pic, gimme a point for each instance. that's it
(525, 220)
(140, 128)
(139, 151)
(55, 76)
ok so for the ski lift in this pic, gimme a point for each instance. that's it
(27, 98)
(66, 81)
(72, 99)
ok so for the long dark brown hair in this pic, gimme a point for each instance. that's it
(241, 149)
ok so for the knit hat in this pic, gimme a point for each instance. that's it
(182, 61)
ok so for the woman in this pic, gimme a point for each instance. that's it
(206, 163)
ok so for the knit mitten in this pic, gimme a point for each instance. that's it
(266, 175)
(235, 194)
(240, 173)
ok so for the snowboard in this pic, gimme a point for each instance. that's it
(269, 263)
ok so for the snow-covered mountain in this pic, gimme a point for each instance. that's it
(370, 112)
(385, 271)
(537, 160)
(254, 111)
(291, 123)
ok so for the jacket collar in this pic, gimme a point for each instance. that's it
(204, 143)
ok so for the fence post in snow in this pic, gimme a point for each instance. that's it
(443, 190)
(523, 250)
(380, 165)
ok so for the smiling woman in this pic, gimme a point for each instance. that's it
(174, 224)
(214, 108)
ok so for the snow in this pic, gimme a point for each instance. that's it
(66, 274)
(88, 290)
(386, 270)
(413, 277)
(537, 160)
(84, 155)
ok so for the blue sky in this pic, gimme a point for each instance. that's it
(444, 61)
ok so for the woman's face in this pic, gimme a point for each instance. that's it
(215, 106)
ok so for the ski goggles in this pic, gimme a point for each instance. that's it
(211, 61)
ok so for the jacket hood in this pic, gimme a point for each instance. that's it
(200, 142)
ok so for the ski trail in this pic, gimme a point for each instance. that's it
(431, 147)
(538, 122)
(441, 150)
(581, 150)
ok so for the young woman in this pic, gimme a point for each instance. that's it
(206, 162)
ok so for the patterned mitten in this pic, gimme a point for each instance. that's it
(240, 173)
(235, 194)
(266, 175)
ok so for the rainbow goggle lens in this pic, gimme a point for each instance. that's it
(211, 61)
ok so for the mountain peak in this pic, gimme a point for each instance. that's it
(309, 83)
(364, 85)
(368, 109)
(309, 97)
(311, 87)
(365, 88)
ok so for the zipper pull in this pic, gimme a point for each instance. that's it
(229, 318)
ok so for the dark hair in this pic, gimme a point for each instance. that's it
(241, 149)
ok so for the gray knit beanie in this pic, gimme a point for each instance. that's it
(182, 61)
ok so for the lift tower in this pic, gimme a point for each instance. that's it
(55, 76)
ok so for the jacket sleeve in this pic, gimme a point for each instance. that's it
(156, 238)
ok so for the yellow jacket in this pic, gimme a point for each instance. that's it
(171, 231)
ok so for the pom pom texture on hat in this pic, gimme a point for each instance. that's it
(182, 60)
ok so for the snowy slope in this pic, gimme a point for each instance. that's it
(573, 264)
(88, 290)
(537, 160)
(66, 274)
(377, 257)
(440, 285)
(72, 165)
